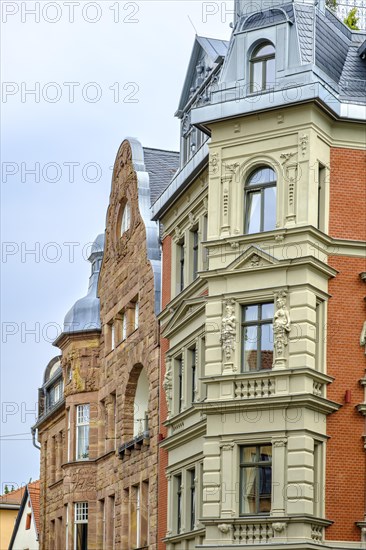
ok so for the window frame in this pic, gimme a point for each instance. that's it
(251, 189)
(258, 465)
(259, 323)
(83, 521)
(79, 424)
(256, 59)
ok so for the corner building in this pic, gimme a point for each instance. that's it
(263, 322)
(98, 413)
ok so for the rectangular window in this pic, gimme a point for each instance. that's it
(255, 479)
(193, 370)
(82, 432)
(320, 337)
(181, 264)
(124, 326)
(204, 239)
(136, 316)
(195, 243)
(81, 526)
(257, 337)
(66, 527)
(179, 363)
(111, 523)
(28, 521)
(68, 435)
(178, 488)
(139, 516)
(113, 336)
(321, 197)
(192, 498)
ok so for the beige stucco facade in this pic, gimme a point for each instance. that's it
(285, 406)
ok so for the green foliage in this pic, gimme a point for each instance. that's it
(6, 490)
(351, 20)
(332, 4)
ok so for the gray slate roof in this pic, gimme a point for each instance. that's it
(161, 166)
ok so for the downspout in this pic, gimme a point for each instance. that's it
(33, 430)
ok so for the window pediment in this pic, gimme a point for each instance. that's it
(253, 257)
(183, 315)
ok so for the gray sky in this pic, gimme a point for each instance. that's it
(127, 70)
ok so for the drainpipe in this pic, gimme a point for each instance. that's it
(33, 430)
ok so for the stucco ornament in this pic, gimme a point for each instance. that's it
(278, 527)
(224, 528)
(363, 336)
(281, 326)
(168, 386)
(228, 329)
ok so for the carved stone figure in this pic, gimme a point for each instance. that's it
(228, 330)
(168, 386)
(363, 336)
(281, 325)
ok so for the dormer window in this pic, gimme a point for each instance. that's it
(126, 219)
(262, 67)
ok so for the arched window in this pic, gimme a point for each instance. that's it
(141, 405)
(260, 200)
(262, 67)
(126, 219)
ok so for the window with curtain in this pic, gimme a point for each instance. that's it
(257, 337)
(262, 67)
(82, 432)
(260, 201)
(255, 479)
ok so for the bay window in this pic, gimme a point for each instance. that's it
(255, 479)
(82, 431)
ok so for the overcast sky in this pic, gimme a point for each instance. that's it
(100, 71)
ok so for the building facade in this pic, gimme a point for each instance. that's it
(210, 388)
(98, 405)
(264, 259)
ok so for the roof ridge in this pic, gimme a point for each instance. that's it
(162, 150)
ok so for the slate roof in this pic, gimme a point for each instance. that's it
(161, 166)
(213, 46)
(328, 43)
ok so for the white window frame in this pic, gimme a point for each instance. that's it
(82, 423)
(80, 517)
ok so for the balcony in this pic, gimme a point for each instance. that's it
(258, 530)
(141, 439)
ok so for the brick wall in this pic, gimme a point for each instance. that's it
(346, 361)
(347, 194)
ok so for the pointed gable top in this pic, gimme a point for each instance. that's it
(208, 51)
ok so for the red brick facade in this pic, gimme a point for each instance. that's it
(346, 360)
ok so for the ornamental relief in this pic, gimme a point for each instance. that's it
(228, 330)
(363, 336)
(168, 386)
(281, 329)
